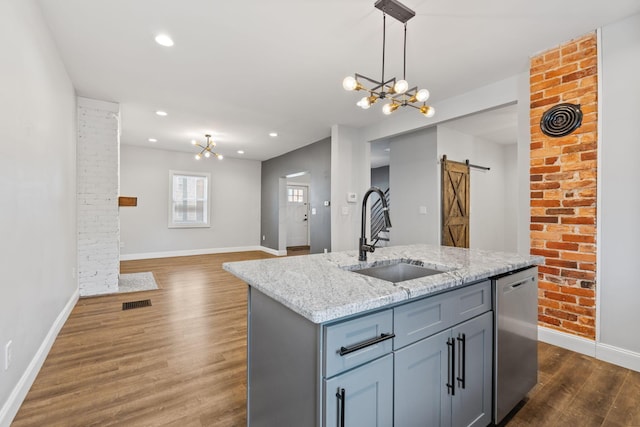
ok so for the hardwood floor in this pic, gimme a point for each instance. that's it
(182, 361)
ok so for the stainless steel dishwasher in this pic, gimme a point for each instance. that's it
(516, 337)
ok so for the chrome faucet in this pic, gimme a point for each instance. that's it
(363, 246)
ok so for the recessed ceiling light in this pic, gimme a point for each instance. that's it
(273, 134)
(293, 175)
(161, 113)
(240, 152)
(153, 140)
(164, 40)
(387, 149)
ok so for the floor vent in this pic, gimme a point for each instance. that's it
(136, 304)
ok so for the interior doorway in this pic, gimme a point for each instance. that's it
(297, 216)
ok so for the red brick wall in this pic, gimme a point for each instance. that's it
(563, 188)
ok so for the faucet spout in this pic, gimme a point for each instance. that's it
(363, 246)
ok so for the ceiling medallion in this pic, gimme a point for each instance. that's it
(396, 91)
(561, 120)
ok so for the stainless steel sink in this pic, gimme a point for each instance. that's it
(398, 272)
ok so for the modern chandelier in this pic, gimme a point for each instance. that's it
(206, 149)
(396, 91)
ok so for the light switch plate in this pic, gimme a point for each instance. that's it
(8, 355)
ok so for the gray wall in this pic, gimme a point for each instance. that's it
(315, 159)
(413, 179)
(234, 195)
(380, 177)
(619, 178)
(38, 193)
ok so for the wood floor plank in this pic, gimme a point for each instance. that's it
(182, 361)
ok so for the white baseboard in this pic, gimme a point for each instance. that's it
(190, 252)
(17, 396)
(618, 356)
(605, 352)
(568, 341)
(273, 251)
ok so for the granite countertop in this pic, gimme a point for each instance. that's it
(321, 288)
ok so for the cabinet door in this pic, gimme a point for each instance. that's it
(367, 399)
(422, 372)
(472, 399)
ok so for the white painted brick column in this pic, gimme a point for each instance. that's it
(97, 163)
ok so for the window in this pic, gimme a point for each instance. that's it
(188, 199)
(295, 195)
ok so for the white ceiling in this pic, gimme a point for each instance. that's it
(241, 69)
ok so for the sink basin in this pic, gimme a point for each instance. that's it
(398, 272)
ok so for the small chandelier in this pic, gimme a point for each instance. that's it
(206, 149)
(397, 91)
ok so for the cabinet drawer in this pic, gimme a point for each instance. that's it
(472, 301)
(420, 319)
(354, 342)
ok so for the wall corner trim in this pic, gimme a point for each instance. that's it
(10, 408)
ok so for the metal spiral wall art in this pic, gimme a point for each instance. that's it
(561, 120)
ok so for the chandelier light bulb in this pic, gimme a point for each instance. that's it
(350, 83)
(427, 110)
(364, 103)
(197, 156)
(422, 95)
(220, 156)
(194, 142)
(389, 108)
(207, 154)
(401, 86)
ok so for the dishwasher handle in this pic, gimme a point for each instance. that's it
(516, 285)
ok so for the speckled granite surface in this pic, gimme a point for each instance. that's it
(321, 287)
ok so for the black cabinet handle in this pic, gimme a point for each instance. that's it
(367, 343)
(451, 375)
(462, 340)
(341, 395)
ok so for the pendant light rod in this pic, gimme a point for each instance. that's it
(404, 67)
(384, 37)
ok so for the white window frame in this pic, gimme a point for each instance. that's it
(190, 224)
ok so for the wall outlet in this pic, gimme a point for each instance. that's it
(264, 237)
(8, 355)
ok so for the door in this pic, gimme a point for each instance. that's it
(471, 404)
(362, 397)
(297, 215)
(455, 203)
(422, 371)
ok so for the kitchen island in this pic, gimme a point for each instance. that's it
(314, 324)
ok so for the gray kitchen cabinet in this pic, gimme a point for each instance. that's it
(362, 397)
(471, 404)
(393, 364)
(420, 375)
(445, 380)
